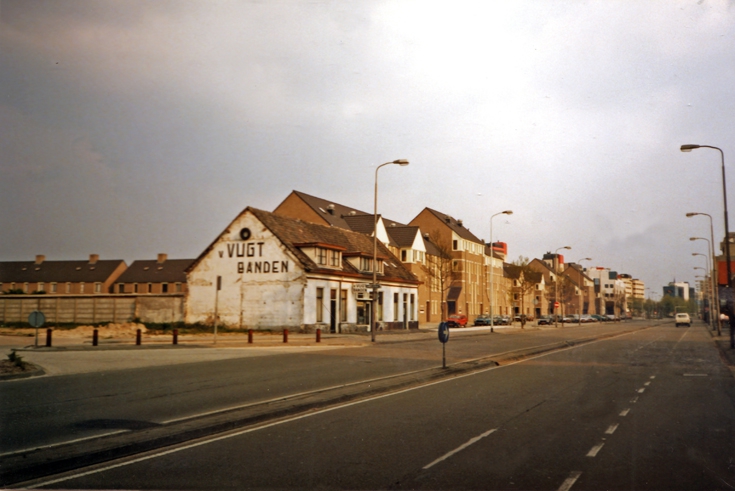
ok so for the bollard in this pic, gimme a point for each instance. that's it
(250, 336)
(318, 335)
(285, 335)
(95, 337)
(137, 337)
(176, 336)
(48, 338)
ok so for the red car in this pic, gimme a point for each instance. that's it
(457, 320)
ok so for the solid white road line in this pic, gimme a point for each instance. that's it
(593, 451)
(569, 481)
(611, 429)
(52, 445)
(695, 374)
(460, 448)
(207, 441)
(624, 412)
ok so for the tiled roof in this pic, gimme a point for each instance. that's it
(342, 216)
(58, 271)
(403, 236)
(151, 271)
(454, 224)
(291, 231)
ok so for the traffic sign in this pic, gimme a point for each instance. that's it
(556, 305)
(443, 332)
(36, 318)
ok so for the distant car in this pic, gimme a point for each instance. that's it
(501, 320)
(599, 318)
(545, 320)
(613, 318)
(570, 318)
(483, 320)
(457, 320)
(683, 320)
(586, 319)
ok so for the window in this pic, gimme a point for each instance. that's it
(178, 287)
(150, 287)
(98, 287)
(454, 245)
(380, 306)
(41, 286)
(121, 288)
(319, 304)
(395, 306)
(25, 287)
(81, 287)
(403, 255)
(413, 301)
(164, 287)
(321, 256)
(135, 287)
(68, 288)
(53, 287)
(343, 306)
(366, 264)
(334, 258)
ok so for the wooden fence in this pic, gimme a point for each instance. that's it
(93, 309)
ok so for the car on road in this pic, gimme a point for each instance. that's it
(501, 320)
(683, 320)
(457, 320)
(483, 320)
(586, 319)
(570, 319)
(600, 318)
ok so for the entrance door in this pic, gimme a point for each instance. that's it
(428, 311)
(333, 311)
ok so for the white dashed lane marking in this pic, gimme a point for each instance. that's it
(569, 481)
(611, 429)
(634, 400)
(624, 412)
(594, 450)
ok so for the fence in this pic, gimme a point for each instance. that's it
(93, 309)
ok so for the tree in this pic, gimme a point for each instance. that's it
(439, 268)
(525, 280)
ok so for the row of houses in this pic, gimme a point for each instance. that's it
(310, 263)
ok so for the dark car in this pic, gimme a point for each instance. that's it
(457, 320)
(599, 318)
(483, 320)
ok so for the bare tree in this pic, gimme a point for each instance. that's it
(439, 268)
(525, 280)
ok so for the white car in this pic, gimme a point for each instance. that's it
(683, 320)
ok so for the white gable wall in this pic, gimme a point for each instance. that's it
(262, 284)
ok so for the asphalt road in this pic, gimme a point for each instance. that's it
(653, 409)
(53, 410)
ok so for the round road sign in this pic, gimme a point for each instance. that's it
(36, 318)
(443, 332)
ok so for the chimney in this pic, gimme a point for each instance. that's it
(162, 258)
(40, 258)
(330, 209)
(459, 222)
(93, 258)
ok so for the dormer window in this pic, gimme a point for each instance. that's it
(321, 256)
(335, 258)
(324, 255)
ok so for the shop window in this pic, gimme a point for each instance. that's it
(343, 306)
(395, 306)
(320, 304)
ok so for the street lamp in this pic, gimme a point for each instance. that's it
(581, 296)
(376, 287)
(556, 284)
(492, 319)
(715, 282)
(711, 282)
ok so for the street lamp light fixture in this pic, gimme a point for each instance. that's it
(374, 317)
(492, 318)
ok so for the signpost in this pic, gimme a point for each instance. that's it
(36, 319)
(443, 338)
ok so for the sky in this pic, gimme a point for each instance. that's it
(130, 128)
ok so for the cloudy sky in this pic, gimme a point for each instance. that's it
(129, 128)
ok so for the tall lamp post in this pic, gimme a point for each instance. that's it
(712, 296)
(492, 318)
(581, 295)
(704, 288)
(375, 285)
(715, 282)
(689, 148)
(556, 284)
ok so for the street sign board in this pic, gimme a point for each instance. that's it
(443, 332)
(36, 318)
(556, 305)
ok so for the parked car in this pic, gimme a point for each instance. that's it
(457, 320)
(545, 320)
(614, 318)
(599, 318)
(501, 320)
(483, 320)
(586, 319)
(683, 320)
(570, 318)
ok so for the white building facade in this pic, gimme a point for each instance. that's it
(270, 272)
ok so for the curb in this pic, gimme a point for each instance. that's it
(34, 372)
